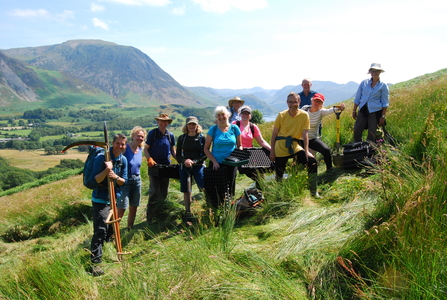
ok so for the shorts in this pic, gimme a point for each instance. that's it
(130, 193)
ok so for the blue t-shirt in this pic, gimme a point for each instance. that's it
(101, 193)
(160, 145)
(223, 142)
(305, 100)
(133, 161)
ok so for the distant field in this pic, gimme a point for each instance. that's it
(36, 160)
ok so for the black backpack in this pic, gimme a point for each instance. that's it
(89, 179)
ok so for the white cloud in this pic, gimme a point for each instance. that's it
(100, 23)
(42, 13)
(142, 2)
(30, 13)
(96, 7)
(179, 10)
(221, 6)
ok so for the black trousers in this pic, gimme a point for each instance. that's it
(300, 156)
(101, 231)
(319, 146)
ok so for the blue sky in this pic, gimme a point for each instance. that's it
(247, 43)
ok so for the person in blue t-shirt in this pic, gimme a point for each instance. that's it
(306, 94)
(131, 191)
(116, 170)
(159, 147)
(224, 137)
(372, 98)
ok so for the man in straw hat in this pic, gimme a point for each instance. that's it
(233, 106)
(159, 147)
(372, 98)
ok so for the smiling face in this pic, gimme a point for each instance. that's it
(162, 125)
(236, 105)
(138, 137)
(375, 74)
(306, 84)
(192, 128)
(317, 103)
(245, 116)
(222, 117)
(293, 102)
(118, 146)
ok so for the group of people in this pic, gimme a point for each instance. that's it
(296, 133)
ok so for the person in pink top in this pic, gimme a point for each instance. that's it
(249, 132)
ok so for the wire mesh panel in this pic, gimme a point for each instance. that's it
(216, 185)
(357, 155)
(259, 160)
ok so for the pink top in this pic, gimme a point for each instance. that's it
(246, 135)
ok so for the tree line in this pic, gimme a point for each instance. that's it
(12, 176)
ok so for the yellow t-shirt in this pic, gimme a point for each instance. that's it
(290, 126)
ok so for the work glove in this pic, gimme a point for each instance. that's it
(151, 162)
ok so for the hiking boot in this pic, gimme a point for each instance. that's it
(97, 270)
(188, 217)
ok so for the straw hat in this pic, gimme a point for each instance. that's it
(163, 117)
(230, 102)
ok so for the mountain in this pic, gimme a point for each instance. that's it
(332, 91)
(17, 81)
(123, 72)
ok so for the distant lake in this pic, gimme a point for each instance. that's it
(270, 118)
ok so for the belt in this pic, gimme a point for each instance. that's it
(134, 177)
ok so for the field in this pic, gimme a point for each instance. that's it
(36, 160)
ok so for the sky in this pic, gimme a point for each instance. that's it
(239, 44)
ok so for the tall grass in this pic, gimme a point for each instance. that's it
(376, 234)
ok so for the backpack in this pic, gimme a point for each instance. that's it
(249, 202)
(89, 179)
(252, 127)
(157, 135)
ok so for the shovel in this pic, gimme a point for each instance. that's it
(337, 157)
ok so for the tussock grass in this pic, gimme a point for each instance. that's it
(377, 233)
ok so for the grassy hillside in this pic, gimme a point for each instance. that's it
(377, 233)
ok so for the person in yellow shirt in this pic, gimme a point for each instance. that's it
(290, 126)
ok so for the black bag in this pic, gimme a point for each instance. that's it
(249, 202)
(358, 155)
(165, 171)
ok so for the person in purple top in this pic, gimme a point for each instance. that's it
(372, 99)
(132, 188)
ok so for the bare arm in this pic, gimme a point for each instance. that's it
(272, 143)
(146, 151)
(262, 142)
(239, 142)
(305, 138)
(206, 150)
